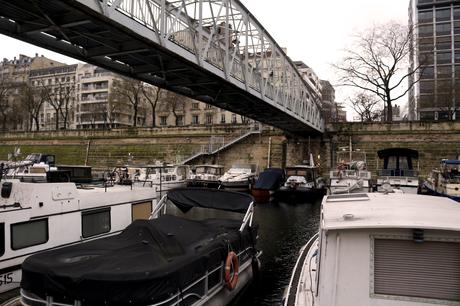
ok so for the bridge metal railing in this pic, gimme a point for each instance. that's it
(225, 35)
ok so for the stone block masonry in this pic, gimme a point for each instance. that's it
(106, 149)
(433, 141)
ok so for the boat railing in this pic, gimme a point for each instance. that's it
(201, 289)
(344, 174)
(398, 172)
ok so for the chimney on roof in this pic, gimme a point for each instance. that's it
(36, 54)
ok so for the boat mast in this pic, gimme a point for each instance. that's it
(351, 150)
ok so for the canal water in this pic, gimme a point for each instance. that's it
(283, 229)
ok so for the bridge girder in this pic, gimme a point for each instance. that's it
(214, 49)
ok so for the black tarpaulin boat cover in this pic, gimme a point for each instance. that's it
(187, 198)
(148, 262)
(270, 179)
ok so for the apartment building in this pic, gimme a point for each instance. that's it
(58, 84)
(13, 74)
(436, 49)
(331, 110)
(97, 107)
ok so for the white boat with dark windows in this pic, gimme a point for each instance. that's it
(39, 216)
(167, 260)
(32, 169)
(239, 177)
(206, 176)
(164, 177)
(386, 249)
(445, 181)
(303, 183)
(398, 170)
(351, 174)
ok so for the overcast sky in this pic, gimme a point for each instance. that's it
(313, 31)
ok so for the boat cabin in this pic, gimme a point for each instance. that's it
(310, 173)
(216, 170)
(387, 250)
(398, 162)
(399, 174)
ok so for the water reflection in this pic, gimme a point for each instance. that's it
(283, 230)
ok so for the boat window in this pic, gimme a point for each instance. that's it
(2, 239)
(27, 234)
(200, 170)
(392, 162)
(141, 211)
(429, 269)
(95, 222)
(403, 163)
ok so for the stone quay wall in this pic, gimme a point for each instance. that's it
(432, 140)
(106, 149)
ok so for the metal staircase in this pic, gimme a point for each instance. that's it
(208, 150)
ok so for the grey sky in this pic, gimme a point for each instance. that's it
(312, 31)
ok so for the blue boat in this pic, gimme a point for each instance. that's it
(445, 181)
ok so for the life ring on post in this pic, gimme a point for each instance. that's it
(231, 270)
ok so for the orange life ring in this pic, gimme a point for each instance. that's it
(231, 277)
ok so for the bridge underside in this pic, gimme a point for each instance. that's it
(100, 41)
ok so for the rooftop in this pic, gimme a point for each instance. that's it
(393, 210)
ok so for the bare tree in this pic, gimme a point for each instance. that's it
(5, 105)
(152, 94)
(174, 103)
(32, 99)
(378, 63)
(59, 96)
(366, 106)
(114, 109)
(131, 91)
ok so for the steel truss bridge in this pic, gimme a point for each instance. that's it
(214, 51)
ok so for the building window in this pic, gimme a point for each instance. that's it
(442, 15)
(95, 222)
(426, 30)
(444, 57)
(427, 87)
(222, 118)
(195, 105)
(208, 118)
(163, 120)
(195, 119)
(427, 73)
(425, 16)
(27, 234)
(208, 106)
(180, 120)
(233, 118)
(443, 29)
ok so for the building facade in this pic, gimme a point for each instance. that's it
(331, 110)
(13, 75)
(58, 85)
(436, 49)
(97, 106)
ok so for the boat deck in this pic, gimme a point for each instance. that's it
(297, 288)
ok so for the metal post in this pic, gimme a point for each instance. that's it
(269, 151)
